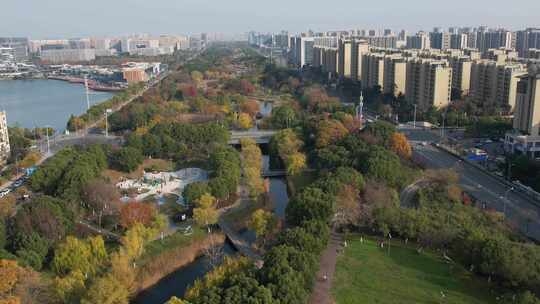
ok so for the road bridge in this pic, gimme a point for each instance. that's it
(260, 136)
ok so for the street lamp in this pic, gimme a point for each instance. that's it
(505, 200)
(107, 112)
(414, 120)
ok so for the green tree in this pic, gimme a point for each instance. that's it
(127, 159)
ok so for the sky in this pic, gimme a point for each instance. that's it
(39, 19)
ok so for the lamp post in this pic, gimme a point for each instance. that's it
(506, 200)
(107, 112)
(414, 119)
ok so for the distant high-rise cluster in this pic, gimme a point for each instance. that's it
(486, 66)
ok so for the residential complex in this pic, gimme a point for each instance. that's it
(494, 85)
(4, 139)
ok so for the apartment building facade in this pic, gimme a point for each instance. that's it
(494, 85)
(461, 73)
(429, 83)
(525, 139)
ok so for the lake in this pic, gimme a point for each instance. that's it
(41, 102)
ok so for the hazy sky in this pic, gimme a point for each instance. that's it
(71, 18)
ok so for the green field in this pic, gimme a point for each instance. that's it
(368, 274)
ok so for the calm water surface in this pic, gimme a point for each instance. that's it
(40, 102)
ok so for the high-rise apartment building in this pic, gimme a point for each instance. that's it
(527, 114)
(495, 39)
(458, 41)
(301, 52)
(493, 85)
(526, 137)
(387, 42)
(429, 83)
(419, 41)
(372, 73)
(527, 39)
(350, 56)
(4, 139)
(395, 75)
(461, 73)
(439, 40)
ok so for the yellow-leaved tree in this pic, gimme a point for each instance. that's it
(400, 145)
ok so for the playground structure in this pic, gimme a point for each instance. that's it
(158, 184)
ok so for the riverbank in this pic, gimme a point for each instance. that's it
(155, 266)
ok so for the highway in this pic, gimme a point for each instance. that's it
(521, 210)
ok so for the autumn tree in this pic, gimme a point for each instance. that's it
(251, 107)
(252, 161)
(245, 121)
(102, 197)
(286, 145)
(330, 131)
(86, 256)
(400, 145)
(7, 206)
(70, 288)
(205, 213)
(106, 290)
(9, 276)
(197, 78)
(136, 212)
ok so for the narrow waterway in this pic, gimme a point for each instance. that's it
(178, 282)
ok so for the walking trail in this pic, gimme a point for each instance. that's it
(321, 290)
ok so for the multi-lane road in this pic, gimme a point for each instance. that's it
(521, 209)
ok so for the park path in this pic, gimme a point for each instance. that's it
(321, 290)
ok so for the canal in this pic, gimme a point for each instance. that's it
(178, 282)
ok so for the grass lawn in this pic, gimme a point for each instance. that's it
(368, 274)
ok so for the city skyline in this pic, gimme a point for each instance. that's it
(67, 19)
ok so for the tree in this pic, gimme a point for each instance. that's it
(400, 145)
(86, 256)
(197, 77)
(251, 107)
(133, 241)
(205, 212)
(127, 159)
(102, 197)
(9, 272)
(284, 117)
(194, 191)
(136, 213)
(175, 300)
(381, 130)
(106, 290)
(245, 121)
(252, 160)
(330, 131)
(295, 163)
(7, 206)
(310, 204)
(70, 288)
(259, 222)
